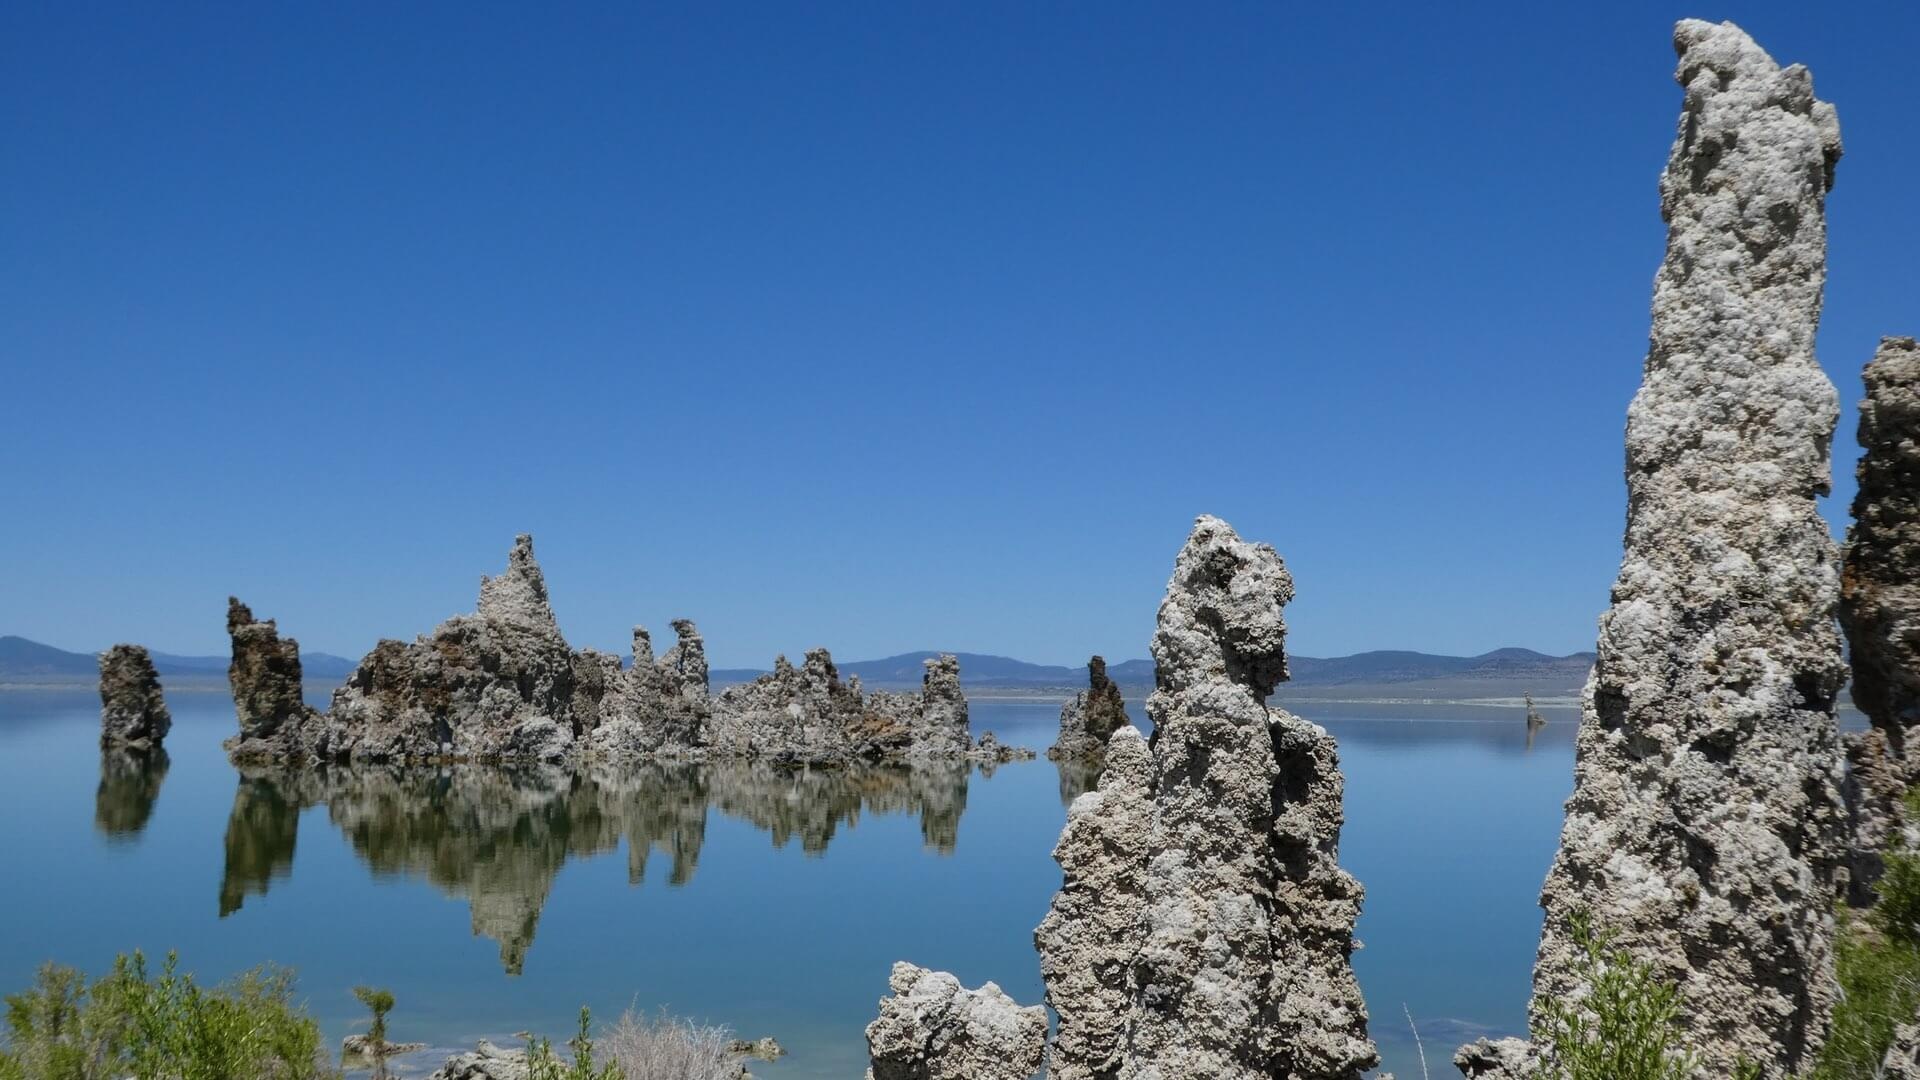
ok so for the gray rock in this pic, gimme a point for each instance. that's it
(1903, 1055)
(1880, 607)
(275, 723)
(1496, 1059)
(657, 708)
(1705, 830)
(1088, 939)
(487, 1062)
(1243, 967)
(932, 1028)
(492, 686)
(808, 715)
(133, 713)
(1091, 717)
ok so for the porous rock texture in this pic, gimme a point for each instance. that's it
(656, 708)
(275, 724)
(1880, 607)
(1204, 928)
(1091, 717)
(487, 1062)
(1086, 942)
(807, 714)
(1705, 830)
(932, 1028)
(497, 684)
(133, 713)
(1243, 967)
(1903, 1055)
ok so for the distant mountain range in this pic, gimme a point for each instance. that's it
(1380, 666)
(25, 660)
(21, 658)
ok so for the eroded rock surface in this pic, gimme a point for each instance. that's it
(488, 1062)
(497, 684)
(275, 724)
(133, 713)
(808, 714)
(1091, 717)
(932, 1028)
(1903, 1056)
(657, 707)
(1880, 606)
(1705, 828)
(1087, 941)
(1244, 962)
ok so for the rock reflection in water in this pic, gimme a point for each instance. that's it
(1077, 777)
(130, 782)
(499, 835)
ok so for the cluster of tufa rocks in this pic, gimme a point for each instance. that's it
(502, 684)
(1705, 835)
(1204, 928)
(1880, 610)
(1090, 717)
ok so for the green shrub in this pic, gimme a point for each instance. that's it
(1879, 978)
(159, 1028)
(1896, 907)
(1626, 1026)
(543, 1065)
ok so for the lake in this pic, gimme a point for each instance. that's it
(496, 901)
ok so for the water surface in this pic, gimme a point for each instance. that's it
(494, 901)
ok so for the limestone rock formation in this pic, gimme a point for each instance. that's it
(1705, 830)
(498, 684)
(1496, 1059)
(1091, 717)
(808, 715)
(1243, 967)
(488, 1062)
(275, 723)
(1903, 1056)
(658, 708)
(1880, 606)
(932, 1028)
(1086, 941)
(132, 711)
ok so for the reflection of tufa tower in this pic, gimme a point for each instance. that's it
(500, 836)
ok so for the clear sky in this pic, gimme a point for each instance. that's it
(878, 326)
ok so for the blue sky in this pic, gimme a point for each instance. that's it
(876, 326)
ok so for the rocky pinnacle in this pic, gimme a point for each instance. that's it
(1243, 968)
(1090, 717)
(1880, 604)
(1704, 833)
(132, 711)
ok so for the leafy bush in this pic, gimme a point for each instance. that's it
(1896, 908)
(543, 1065)
(1626, 1026)
(1879, 976)
(669, 1048)
(165, 1028)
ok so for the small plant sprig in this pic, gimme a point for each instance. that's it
(542, 1064)
(1626, 1027)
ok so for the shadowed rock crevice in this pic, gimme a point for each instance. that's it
(1880, 608)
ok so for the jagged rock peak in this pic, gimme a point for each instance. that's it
(1880, 606)
(1244, 959)
(133, 713)
(932, 1028)
(1222, 614)
(519, 596)
(1090, 718)
(265, 676)
(1705, 829)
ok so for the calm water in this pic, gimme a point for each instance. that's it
(491, 902)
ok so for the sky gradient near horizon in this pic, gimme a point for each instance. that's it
(880, 327)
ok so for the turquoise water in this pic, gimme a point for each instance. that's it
(492, 903)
